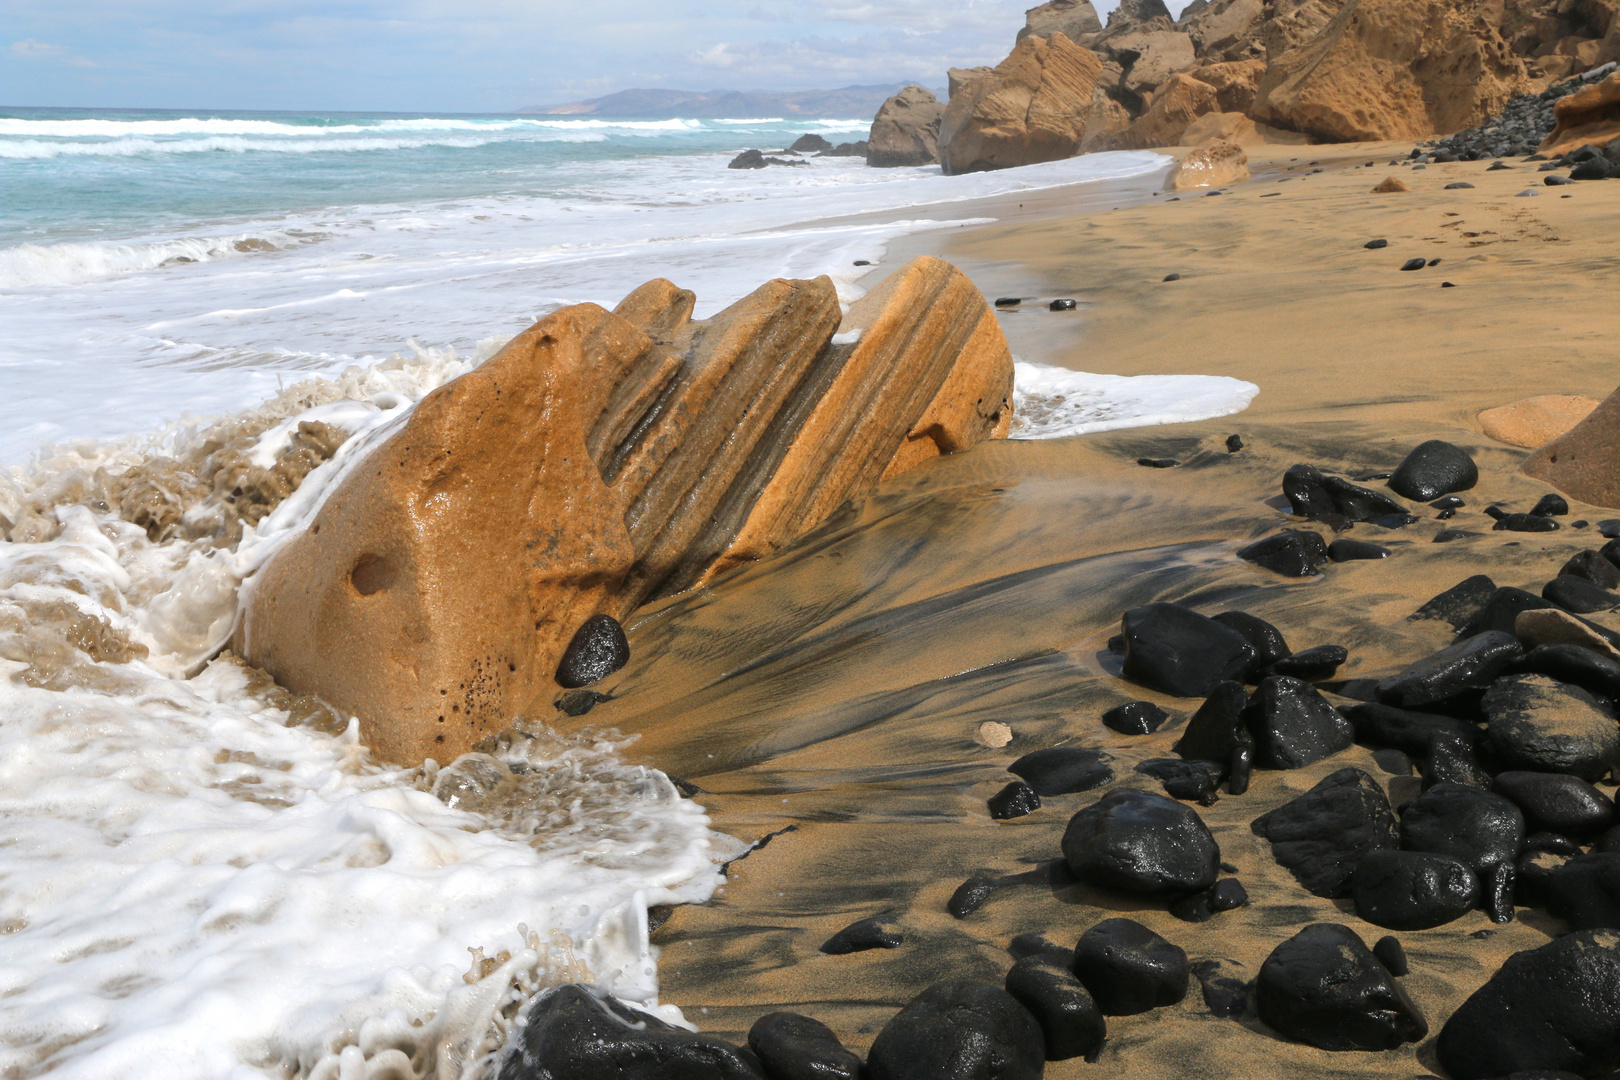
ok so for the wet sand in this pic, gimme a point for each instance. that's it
(836, 689)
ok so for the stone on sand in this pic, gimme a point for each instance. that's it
(1557, 801)
(1324, 987)
(1538, 724)
(1071, 1023)
(1216, 165)
(1175, 650)
(1584, 462)
(1322, 835)
(1589, 115)
(795, 1047)
(905, 130)
(959, 1030)
(1413, 890)
(1141, 842)
(1433, 469)
(1129, 969)
(1390, 184)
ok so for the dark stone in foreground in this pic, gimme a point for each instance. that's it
(1550, 505)
(1177, 651)
(1311, 493)
(1558, 802)
(1129, 969)
(1459, 604)
(1013, 801)
(794, 1047)
(1392, 955)
(1293, 724)
(1135, 718)
(1324, 987)
(873, 933)
(1585, 892)
(971, 895)
(1061, 305)
(1071, 1023)
(1062, 770)
(1502, 610)
(1471, 665)
(1218, 729)
(1526, 523)
(1345, 550)
(1554, 1007)
(1592, 566)
(1193, 781)
(959, 1030)
(1414, 264)
(1269, 644)
(1141, 842)
(574, 1032)
(1433, 469)
(1403, 729)
(1291, 553)
(1578, 595)
(1481, 829)
(1413, 890)
(599, 648)
(1312, 665)
(1321, 836)
(1544, 726)
(1575, 665)
(1234, 443)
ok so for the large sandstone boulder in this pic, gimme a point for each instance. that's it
(958, 78)
(1589, 115)
(1176, 104)
(1584, 461)
(905, 130)
(1071, 18)
(1291, 23)
(1216, 165)
(1392, 69)
(1534, 421)
(1147, 57)
(1033, 107)
(1227, 30)
(1106, 119)
(1236, 82)
(602, 459)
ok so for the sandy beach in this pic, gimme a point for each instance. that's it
(829, 699)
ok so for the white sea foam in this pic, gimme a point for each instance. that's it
(1052, 402)
(75, 263)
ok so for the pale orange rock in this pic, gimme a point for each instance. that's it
(1235, 83)
(1589, 115)
(1237, 128)
(602, 459)
(1389, 184)
(1216, 165)
(1181, 100)
(1585, 460)
(1032, 107)
(1392, 69)
(1534, 421)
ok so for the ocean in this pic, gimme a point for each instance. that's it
(202, 875)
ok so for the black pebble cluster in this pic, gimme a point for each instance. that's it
(1516, 131)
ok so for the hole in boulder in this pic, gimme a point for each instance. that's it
(372, 573)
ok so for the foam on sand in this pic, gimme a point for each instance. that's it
(1053, 402)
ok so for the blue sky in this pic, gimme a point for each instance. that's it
(474, 55)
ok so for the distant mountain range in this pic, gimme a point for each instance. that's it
(850, 102)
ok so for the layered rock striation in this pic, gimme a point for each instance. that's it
(601, 460)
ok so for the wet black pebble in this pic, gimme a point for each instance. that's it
(1593, 567)
(1389, 952)
(1378, 724)
(1009, 301)
(1141, 842)
(1551, 505)
(1557, 801)
(1322, 835)
(1452, 759)
(1345, 550)
(1129, 969)
(1609, 528)
(961, 1029)
(1501, 611)
(1374, 245)
(1446, 536)
(1324, 987)
(1554, 180)
(1061, 305)
(1585, 891)
(1459, 604)
(1071, 1023)
(1219, 728)
(1433, 469)
(1578, 595)
(1574, 665)
(1455, 185)
(1269, 644)
(598, 649)
(579, 702)
(971, 895)
(1312, 665)
(1063, 770)
(1449, 502)
(1190, 781)
(1468, 667)
(1172, 277)
(795, 1047)
(1157, 463)
(1447, 285)
(1311, 493)
(1482, 829)
(1135, 718)
(1536, 724)
(1413, 890)
(1177, 651)
(1557, 843)
(1014, 801)
(1293, 724)
(1414, 264)
(876, 932)
(1234, 443)
(1291, 553)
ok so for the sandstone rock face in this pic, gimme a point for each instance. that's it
(1176, 104)
(1235, 83)
(905, 130)
(1227, 29)
(1106, 119)
(1585, 461)
(1392, 69)
(1032, 107)
(1071, 18)
(599, 460)
(957, 78)
(1236, 128)
(1148, 58)
(1210, 166)
(1589, 115)
(1533, 421)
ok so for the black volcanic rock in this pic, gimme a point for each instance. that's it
(1573, 664)
(1482, 829)
(1071, 1023)
(1557, 802)
(576, 1031)
(1177, 651)
(1433, 469)
(1135, 718)
(794, 1047)
(1460, 604)
(1347, 550)
(1063, 770)
(1313, 494)
(1501, 611)
(1293, 724)
(1413, 890)
(1129, 969)
(959, 1030)
(1453, 760)
(1192, 781)
(1218, 729)
(1578, 595)
(1553, 1007)
(1015, 800)
(1468, 667)
(876, 932)
(1540, 725)
(1585, 891)
(1141, 842)
(1312, 665)
(1592, 566)
(1321, 836)
(1324, 987)
(1291, 553)
(1402, 729)
(598, 649)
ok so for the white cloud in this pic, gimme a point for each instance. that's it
(31, 48)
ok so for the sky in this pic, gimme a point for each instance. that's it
(475, 55)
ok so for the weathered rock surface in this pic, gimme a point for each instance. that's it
(599, 460)
(1179, 101)
(1142, 842)
(1391, 69)
(963, 1030)
(1323, 986)
(1535, 421)
(1321, 836)
(1235, 82)
(905, 130)
(1033, 107)
(1585, 461)
(1216, 165)
(1227, 30)
(1071, 18)
(1589, 115)
(1537, 724)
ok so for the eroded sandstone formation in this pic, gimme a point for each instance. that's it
(600, 460)
(905, 130)
(1589, 115)
(1585, 460)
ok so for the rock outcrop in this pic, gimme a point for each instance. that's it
(1216, 165)
(602, 459)
(1227, 30)
(1071, 18)
(905, 130)
(1236, 83)
(1033, 107)
(1584, 461)
(1589, 115)
(1176, 104)
(1392, 69)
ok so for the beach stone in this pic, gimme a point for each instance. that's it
(1346, 550)
(1539, 725)
(1458, 185)
(959, 1030)
(1291, 553)
(1481, 829)
(1527, 523)
(1498, 888)
(905, 131)
(1452, 760)
(1532, 880)
(1129, 969)
(995, 734)
(971, 895)
(1553, 1007)
(1240, 770)
(876, 932)
(1009, 301)
(1557, 843)
(1191, 781)
(1218, 729)
(1557, 801)
(1135, 718)
(1534, 421)
(1234, 443)
(1579, 595)
(1141, 842)
(1014, 801)
(1293, 725)
(1312, 493)
(598, 649)
(1070, 305)
(1585, 891)
(1217, 165)
(1501, 612)
(1324, 987)
(1413, 890)
(1071, 1023)
(1322, 835)
(1228, 894)
(1312, 665)
(794, 1047)
(1550, 505)
(1390, 185)
(1460, 604)
(1269, 644)
(1177, 651)
(578, 1031)
(1392, 955)
(1063, 770)
(1554, 180)
(1433, 469)
(1582, 461)
(1373, 245)
(1468, 667)
(1592, 566)
(1414, 264)
(1555, 627)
